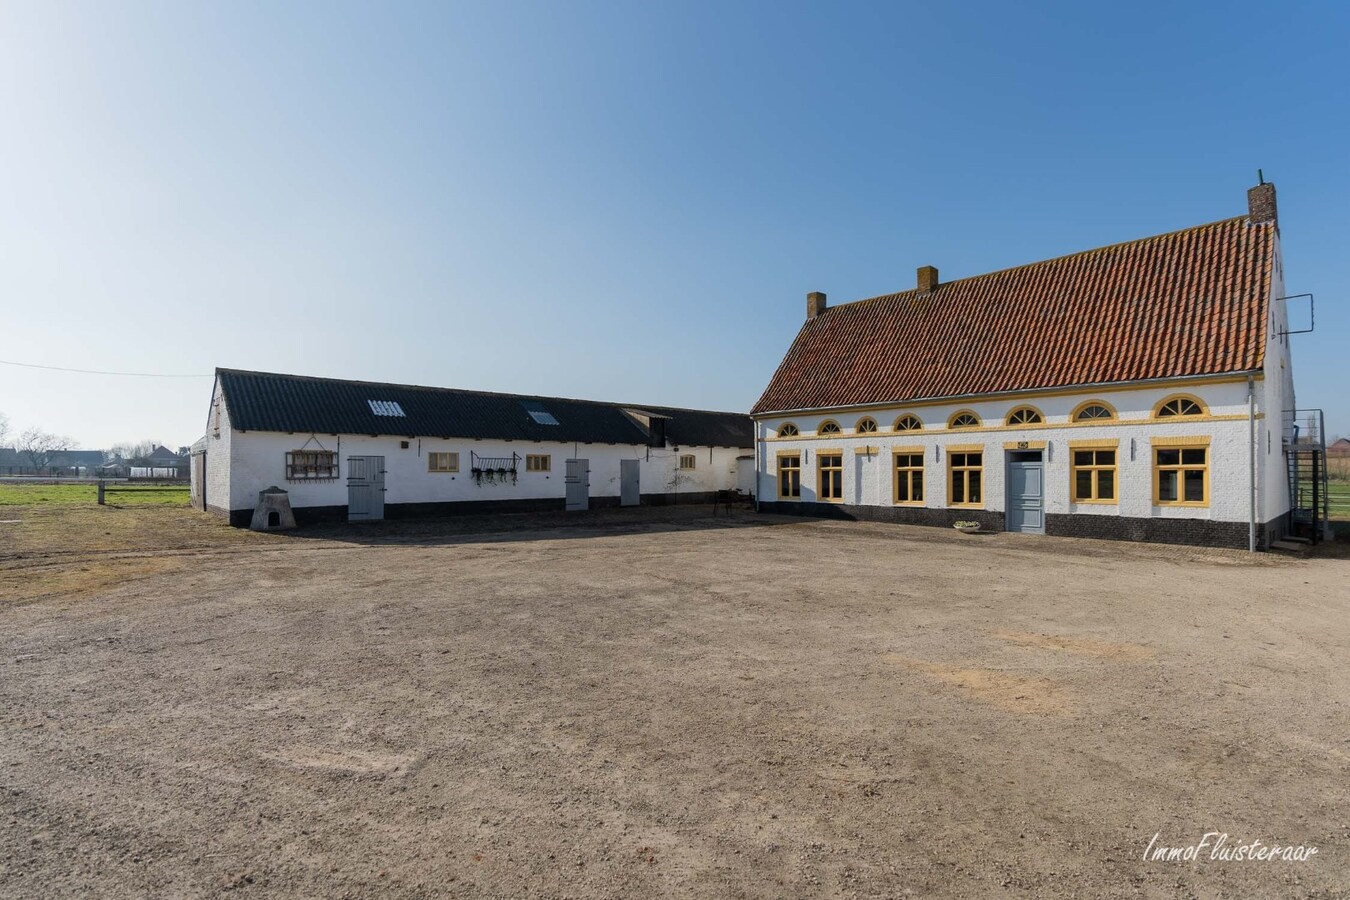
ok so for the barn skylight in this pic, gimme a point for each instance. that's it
(385, 407)
(538, 412)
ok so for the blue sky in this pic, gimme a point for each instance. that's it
(618, 201)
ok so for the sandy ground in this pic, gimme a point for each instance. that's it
(645, 704)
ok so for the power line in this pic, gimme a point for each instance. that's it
(6, 362)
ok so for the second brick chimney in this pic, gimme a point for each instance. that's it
(928, 278)
(815, 304)
(1261, 204)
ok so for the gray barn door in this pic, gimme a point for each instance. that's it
(630, 492)
(1026, 492)
(578, 482)
(365, 488)
(199, 480)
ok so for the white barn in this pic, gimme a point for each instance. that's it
(360, 450)
(1142, 391)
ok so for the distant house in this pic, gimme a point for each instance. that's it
(159, 463)
(61, 464)
(1339, 448)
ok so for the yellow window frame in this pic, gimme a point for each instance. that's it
(1024, 409)
(1078, 411)
(1094, 467)
(538, 462)
(822, 470)
(953, 469)
(782, 468)
(1180, 444)
(1173, 398)
(907, 473)
(951, 420)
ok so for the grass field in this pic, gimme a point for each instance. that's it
(87, 495)
(1339, 494)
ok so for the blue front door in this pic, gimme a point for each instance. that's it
(1026, 492)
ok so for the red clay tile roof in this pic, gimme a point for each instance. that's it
(1188, 303)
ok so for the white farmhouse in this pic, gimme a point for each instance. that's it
(360, 450)
(1141, 391)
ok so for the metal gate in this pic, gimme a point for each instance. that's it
(630, 493)
(365, 488)
(578, 483)
(1026, 492)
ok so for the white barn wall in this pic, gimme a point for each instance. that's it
(258, 461)
(219, 449)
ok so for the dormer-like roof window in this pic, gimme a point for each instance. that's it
(385, 407)
(537, 412)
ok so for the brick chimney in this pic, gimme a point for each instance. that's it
(928, 278)
(815, 304)
(1261, 204)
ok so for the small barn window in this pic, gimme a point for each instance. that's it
(787, 429)
(1025, 415)
(964, 420)
(1179, 406)
(538, 462)
(867, 425)
(829, 427)
(311, 465)
(1093, 411)
(687, 461)
(442, 462)
(908, 422)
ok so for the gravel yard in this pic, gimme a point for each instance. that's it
(659, 702)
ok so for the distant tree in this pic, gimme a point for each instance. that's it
(4, 429)
(133, 449)
(40, 446)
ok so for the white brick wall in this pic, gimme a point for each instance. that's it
(258, 460)
(868, 479)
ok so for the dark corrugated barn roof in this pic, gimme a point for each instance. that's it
(263, 401)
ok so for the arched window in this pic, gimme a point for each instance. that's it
(787, 429)
(964, 419)
(867, 425)
(1179, 406)
(908, 422)
(1093, 410)
(1025, 415)
(829, 427)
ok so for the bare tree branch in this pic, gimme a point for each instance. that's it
(40, 446)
